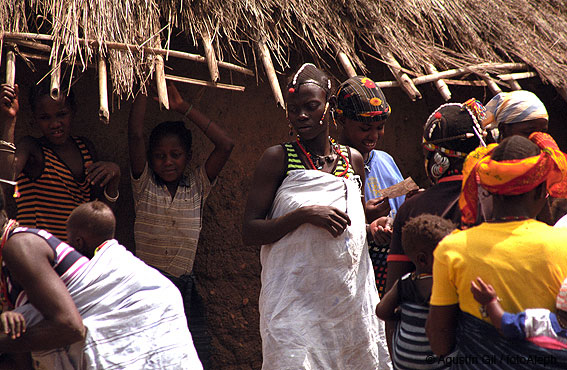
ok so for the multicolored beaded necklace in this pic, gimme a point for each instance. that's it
(322, 159)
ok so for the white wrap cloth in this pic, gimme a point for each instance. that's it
(133, 314)
(318, 296)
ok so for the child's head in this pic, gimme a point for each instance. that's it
(362, 110)
(420, 236)
(169, 150)
(449, 136)
(53, 117)
(309, 99)
(89, 225)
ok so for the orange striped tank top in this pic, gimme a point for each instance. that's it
(46, 202)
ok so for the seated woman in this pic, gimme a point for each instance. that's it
(318, 293)
(524, 259)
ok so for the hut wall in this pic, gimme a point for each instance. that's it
(229, 272)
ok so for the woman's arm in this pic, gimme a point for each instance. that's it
(386, 308)
(258, 230)
(441, 328)
(218, 136)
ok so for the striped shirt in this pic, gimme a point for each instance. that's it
(46, 202)
(68, 263)
(167, 230)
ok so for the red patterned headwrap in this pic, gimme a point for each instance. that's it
(512, 177)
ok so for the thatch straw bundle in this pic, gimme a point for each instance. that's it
(442, 33)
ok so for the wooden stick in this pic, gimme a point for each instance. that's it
(347, 65)
(14, 36)
(439, 84)
(517, 76)
(204, 83)
(160, 81)
(403, 79)
(211, 58)
(492, 86)
(271, 73)
(466, 83)
(103, 112)
(54, 86)
(10, 68)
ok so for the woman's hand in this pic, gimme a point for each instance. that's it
(14, 323)
(376, 208)
(9, 103)
(101, 173)
(381, 230)
(176, 101)
(329, 218)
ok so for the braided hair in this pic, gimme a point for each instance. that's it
(309, 74)
(451, 132)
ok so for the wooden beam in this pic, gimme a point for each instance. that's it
(439, 84)
(55, 83)
(204, 83)
(10, 68)
(271, 73)
(210, 56)
(347, 65)
(15, 36)
(160, 82)
(403, 79)
(492, 86)
(103, 112)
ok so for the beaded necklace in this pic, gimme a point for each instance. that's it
(319, 166)
(508, 218)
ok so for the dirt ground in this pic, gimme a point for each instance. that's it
(229, 272)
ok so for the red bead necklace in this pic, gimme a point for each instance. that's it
(335, 148)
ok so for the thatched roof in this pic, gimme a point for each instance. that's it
(443, 33)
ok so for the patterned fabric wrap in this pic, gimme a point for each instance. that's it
(513, 107)
(512, 177)
(561, 301)
(361, 100)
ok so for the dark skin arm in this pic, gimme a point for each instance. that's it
(441, 327)
(387, 307)
(223, 143)
(29, 258)
(396, 269)
(269, 174)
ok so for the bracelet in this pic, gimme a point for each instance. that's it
(8, 144)
(109, 198)
(188, 110)
(482, 308)
(208, 124)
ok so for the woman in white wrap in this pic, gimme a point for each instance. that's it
(318, 292)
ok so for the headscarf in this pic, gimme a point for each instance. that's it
(359, 99)
(513, 107)
(561, 301)
(514, 176)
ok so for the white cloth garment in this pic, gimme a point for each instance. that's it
(134, 318)
(318, 296)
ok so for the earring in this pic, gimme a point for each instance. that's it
(333, 117)
(290, 129)
(440, 166)
(324, 113)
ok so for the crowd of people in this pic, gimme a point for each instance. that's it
(460, 275)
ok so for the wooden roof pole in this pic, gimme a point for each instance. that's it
(346, 63)
(204, 83)
(160, 81)
(103, 112)
(10, 68)
(403, 79)
(211, 58)
(492, 86)
(439, 84)
(55, 84)
(271, 73)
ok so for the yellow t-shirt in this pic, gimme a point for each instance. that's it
(525, 262)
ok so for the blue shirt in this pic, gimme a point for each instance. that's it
(381, 173)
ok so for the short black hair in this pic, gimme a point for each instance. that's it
(424, 232)
(515, 147)
(43, 88)
(170, 128)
